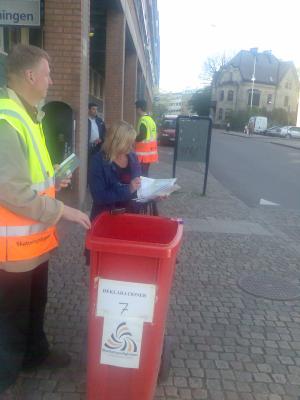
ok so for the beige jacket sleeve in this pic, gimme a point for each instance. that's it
(15, 185)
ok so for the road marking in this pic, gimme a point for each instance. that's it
(264, 202)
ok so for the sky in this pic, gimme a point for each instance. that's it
(193, 30)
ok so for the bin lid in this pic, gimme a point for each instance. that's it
(134, 233)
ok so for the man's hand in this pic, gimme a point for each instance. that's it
(135, 184)
(63, 183)
(74, 215)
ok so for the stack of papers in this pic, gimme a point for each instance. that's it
(67, 167)
(152, 188)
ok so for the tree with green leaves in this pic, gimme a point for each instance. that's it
(201, 101)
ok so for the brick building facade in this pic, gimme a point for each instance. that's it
(101, 51)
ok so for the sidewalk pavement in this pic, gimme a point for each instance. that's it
(292, 143)
(228, 344)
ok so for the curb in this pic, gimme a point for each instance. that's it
(243, 136)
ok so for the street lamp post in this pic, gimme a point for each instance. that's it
(253, 80)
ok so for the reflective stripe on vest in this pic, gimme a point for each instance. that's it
(14, 114)
(146, 152)
(43, 186)
(22, 230)
(23, 238)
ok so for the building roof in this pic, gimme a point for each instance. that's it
(268, 69)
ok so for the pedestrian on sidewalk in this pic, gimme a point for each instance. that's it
(28, 215)
(96, 130)
(228, 126)
(146, 140)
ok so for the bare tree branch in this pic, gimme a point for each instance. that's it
(212, 65)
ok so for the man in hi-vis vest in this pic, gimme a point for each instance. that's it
(146, 140)
(28, 215)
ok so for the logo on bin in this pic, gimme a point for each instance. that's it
(121, 340)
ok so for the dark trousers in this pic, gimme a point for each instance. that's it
(23, 298)
(145, 169)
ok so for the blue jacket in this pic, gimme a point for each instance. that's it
(106, 189)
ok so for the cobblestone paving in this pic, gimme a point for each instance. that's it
(228, 344)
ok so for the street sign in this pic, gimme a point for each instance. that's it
(20, 12)
(193, 138)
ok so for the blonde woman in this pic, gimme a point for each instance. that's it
(114, 172)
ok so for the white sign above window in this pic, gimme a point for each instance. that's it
(20, 12)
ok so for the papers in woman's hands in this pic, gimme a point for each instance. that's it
(152, 188)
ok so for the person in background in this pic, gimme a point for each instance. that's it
(146, 140)
(28, 215)
(96, 130)
(114, 172)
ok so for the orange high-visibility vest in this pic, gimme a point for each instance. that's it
(23, 238)
(146, 150)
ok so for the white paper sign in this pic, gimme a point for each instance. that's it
(121, 342)
(125, 299)
(20, 12)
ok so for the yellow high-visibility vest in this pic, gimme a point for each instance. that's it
(23, 238)
(146, 150)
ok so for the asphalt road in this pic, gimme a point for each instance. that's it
(253, 169)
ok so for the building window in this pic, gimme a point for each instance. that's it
(286, 101)
(222, 95)
(220, 113)
(269, 99)
(255, 99)
(230, 95)
(228, 113)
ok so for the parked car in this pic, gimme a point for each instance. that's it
(284, 130)
(275, 131)
(167, 130)
(293, 132)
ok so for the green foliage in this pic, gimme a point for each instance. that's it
(201, 101)
(278, 116)
(239, 119)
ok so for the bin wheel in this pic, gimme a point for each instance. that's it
(165, 363)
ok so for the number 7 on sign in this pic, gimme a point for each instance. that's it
(125, 308)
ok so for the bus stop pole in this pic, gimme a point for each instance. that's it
(207, 158)
(175, 147)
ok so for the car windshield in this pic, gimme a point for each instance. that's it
(169, 124)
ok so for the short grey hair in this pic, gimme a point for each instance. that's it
(23, 57)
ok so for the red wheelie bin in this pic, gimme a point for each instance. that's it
(132, 266)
